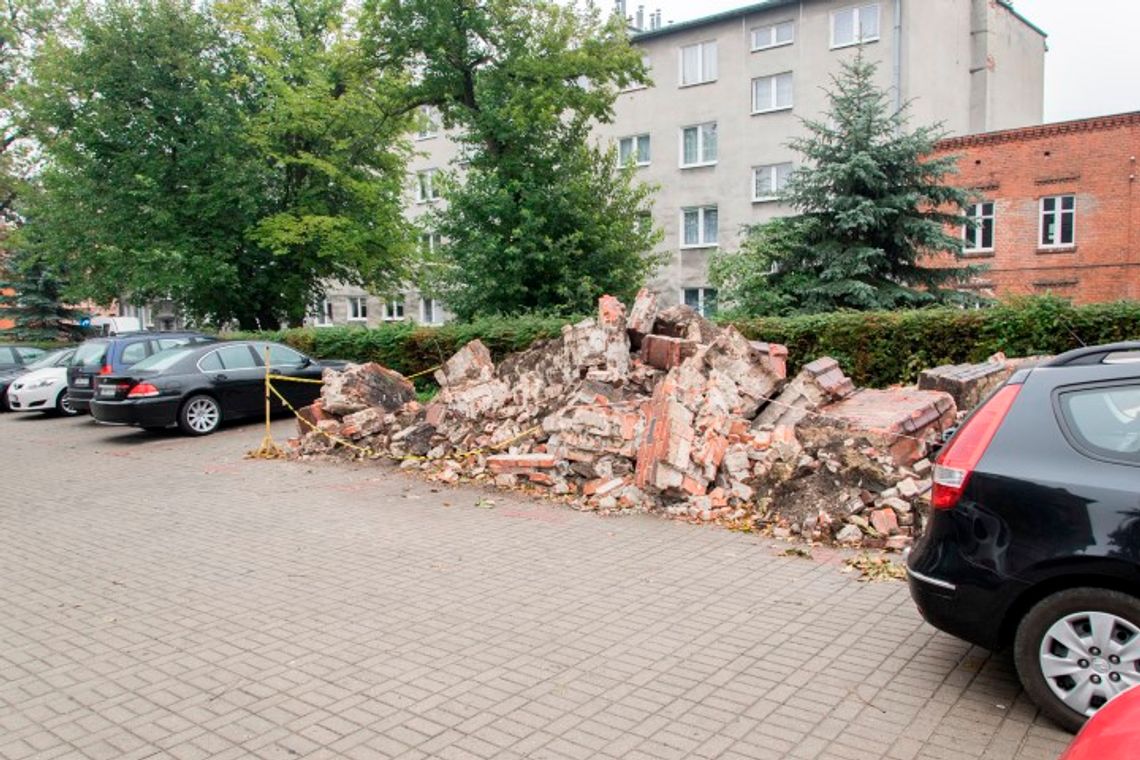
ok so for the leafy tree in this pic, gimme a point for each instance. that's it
(231, 157)
(873, 206)
(31, 297)
(326, 124)
(541, 219)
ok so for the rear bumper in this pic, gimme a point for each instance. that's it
(960, 594)
(80, 398)
(146, 412)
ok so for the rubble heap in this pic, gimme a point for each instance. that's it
(656, 410)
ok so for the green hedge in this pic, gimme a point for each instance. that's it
(876, 349)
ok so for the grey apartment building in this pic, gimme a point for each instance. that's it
(729, 91)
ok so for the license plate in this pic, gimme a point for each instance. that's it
(82, 382)
(107, 391)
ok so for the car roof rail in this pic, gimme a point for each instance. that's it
(1112, 353)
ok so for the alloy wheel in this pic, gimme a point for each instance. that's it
(202, 415)
(1088, 658)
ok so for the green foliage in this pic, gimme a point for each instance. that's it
(880, 348)
(876, 349)
(230, 157)
(873, 205)
(541, 220)
(30, 296)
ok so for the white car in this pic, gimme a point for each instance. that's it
(41, 390)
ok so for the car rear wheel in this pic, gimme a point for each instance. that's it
(1077, 649)
(63, 405)
(200, 415)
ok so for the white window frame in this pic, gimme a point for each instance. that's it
(635, 153)
(358, 308)
(771, 33)
(702, 303)
(706, 74)
(324, 315)
(430, 128)
(702, 145)
(702, 241)
(773, 171)
(424, 301)
(1059, 213)
(972, 230)
(426, 191)
(429, 242)
(774, 90)
(635, 86)
(394, 310)
(856, 12)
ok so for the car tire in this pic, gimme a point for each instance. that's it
(63, 405)
(1082, 673)
(200, 415)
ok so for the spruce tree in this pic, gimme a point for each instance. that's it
(873, 208)
(30, 296)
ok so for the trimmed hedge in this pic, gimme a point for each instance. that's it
(876, 349)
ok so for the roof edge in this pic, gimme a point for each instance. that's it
(1008, 5)
(1090, 124)
(649, 34)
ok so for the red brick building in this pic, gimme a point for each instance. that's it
(1057, 208)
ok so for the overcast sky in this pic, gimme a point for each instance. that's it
(1092, 67)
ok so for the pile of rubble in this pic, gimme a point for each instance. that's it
(656, 410)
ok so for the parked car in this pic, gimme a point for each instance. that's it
(43, 388)
(199, 387)
(18, 357)
(102, 356)
(1034, 535)
(1112, 734)
(57, 358)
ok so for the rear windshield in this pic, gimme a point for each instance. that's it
(163, 359)
(90, 355)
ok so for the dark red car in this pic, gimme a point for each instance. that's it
(1112, 734)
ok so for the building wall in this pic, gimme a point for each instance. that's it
(1092, 159)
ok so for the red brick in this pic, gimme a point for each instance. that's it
(663, 352)
(512, 464)
(1093, 159)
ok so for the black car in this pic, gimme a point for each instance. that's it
(103, 356)
(18, 357)
(57, 358)
(1034, 536)
(199, 387)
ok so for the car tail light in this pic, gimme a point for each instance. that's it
(143, 390)
(105, 370)
(957, 461)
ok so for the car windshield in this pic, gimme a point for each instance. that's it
(90, 355)
(50, 359)
(163, 359)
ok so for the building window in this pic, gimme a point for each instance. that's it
(429, 311)
(357, 309)
(979, 232)
(773, 35)
(698, 145)
(428, 123)
(772, 93)
(429, 242)
(393, 310)
(700, 227)
(698, 63)
(645, 61)
(702, 300)
(426, 190)
(1058, 221)
(634, 149)
(768, 181)
(851, 26)
(324, 312)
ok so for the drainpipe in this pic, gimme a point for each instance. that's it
(897, 72)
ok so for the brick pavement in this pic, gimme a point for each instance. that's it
(161, 597)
